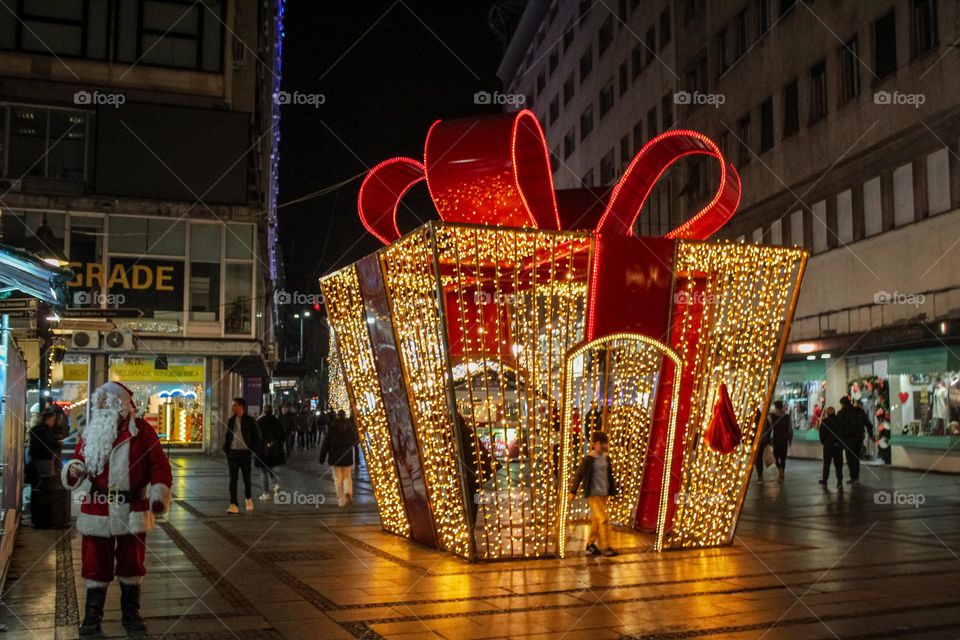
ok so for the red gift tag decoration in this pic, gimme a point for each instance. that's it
(723, 435)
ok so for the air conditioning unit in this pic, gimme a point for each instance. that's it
(85, 340)
(118, 340)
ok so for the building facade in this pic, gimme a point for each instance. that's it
(139, 147)
(843, 125)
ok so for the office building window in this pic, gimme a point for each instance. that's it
(569, 88)
(849, 71)
(818, 221)
(650, 44)
(624, 78)
(625, 156)
(791, 110)
(586, 122)
(554, 61)
(845, 217)
(584, 9)
(696, 74)
(554, 159)
(204, 272)
(586, 63)
(762, 12)
(720, 47)
(606, 99)
(665, 27)
(652, 124)
(636, 60)
(552, 12)
(923, 27)
(554, 110)
(586, 180)
(743, 144)
(766, 125)
(541, 81)
(44, 143)
(568, 34)
(938, 182)
(787, 7)
(569, 143)
(605, 36)
(608, 168)
(872, 207)
(666, 108)
(885, 45)
(903, 211)
(740, 34)
(818, 91)
(637, 137)
(797, 236)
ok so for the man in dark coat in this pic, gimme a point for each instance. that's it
(272, 446)
(831, 436)
(240, 444)
(288, 419)
(337, 449)
(781, 436)
(855, 422)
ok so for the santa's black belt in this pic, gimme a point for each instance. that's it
(116, 496)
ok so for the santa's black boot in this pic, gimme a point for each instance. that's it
(130, 608)
(93, 614)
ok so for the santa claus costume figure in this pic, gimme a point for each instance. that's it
(124, 479)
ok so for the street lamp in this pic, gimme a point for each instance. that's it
(300, 317)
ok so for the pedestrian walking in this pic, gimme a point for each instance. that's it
(303, 427)
(781, 436)
(289, 421)
(337, 451)
(122, 461)
(831, 439)
(763, 441)
(240, 443)
(271, 456)
(855, 422)
(44, 448)
(595, 476)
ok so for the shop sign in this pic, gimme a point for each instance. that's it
(144, 370)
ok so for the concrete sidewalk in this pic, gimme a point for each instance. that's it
(808, 563)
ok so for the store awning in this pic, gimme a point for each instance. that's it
(22, 271)
(803, 371)
(930, 360)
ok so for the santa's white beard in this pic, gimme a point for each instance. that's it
(100, 434)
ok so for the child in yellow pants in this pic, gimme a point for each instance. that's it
(595, 475)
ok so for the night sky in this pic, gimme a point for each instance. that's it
(385, 78)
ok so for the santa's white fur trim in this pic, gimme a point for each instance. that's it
(96, 584)
(160, 493)
(115, 524)
(65, 475)
(130, 579)
(109, 405)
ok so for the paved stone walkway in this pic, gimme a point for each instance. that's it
(808, 563)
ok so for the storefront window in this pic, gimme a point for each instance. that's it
(205, 272)
(70, 390)
(238, 298)
(168, 395)
(801, 386)
(925, 395)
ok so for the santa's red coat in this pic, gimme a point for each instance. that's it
(136, 462)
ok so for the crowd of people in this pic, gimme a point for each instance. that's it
(843, 435)
(269, 441)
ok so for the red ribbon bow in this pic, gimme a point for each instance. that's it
(495, 171)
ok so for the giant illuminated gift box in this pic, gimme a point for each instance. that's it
(479, 351)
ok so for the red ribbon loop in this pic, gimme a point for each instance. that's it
(495, 171)
(650, 163)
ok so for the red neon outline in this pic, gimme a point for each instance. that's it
(426, 145)
(527, 113)
(592, 291)
(690, 228)
(372, 173)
